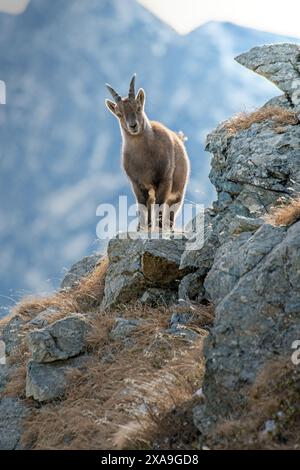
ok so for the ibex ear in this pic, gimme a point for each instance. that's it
(141, 97)
(111, 106)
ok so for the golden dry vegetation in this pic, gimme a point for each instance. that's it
(285, 214)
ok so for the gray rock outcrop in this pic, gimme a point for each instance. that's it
(279, 63)
(48, 381)
(255, 285)
(253, 167)
(141, 263)
(253, 280)
(79, 270)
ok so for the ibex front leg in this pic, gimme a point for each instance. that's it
(141, 195)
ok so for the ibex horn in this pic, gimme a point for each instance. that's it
(131, 93)
(113, 93)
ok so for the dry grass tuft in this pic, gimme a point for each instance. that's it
(86, 295)
(275, 397)
(141, 384)
(286, 214)
(278, 115)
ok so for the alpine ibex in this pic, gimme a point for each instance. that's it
(154, 158)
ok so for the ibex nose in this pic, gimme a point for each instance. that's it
(133, 126)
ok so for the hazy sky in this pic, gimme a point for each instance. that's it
(268, 15)
(185, 15)
(13, 6)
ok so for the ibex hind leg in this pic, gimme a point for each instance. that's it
(146, 217)
(166, 218)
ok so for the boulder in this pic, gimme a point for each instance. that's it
(137, 263)
(48, 381)
(62, 339)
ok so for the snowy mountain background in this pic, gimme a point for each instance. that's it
(59, 146)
